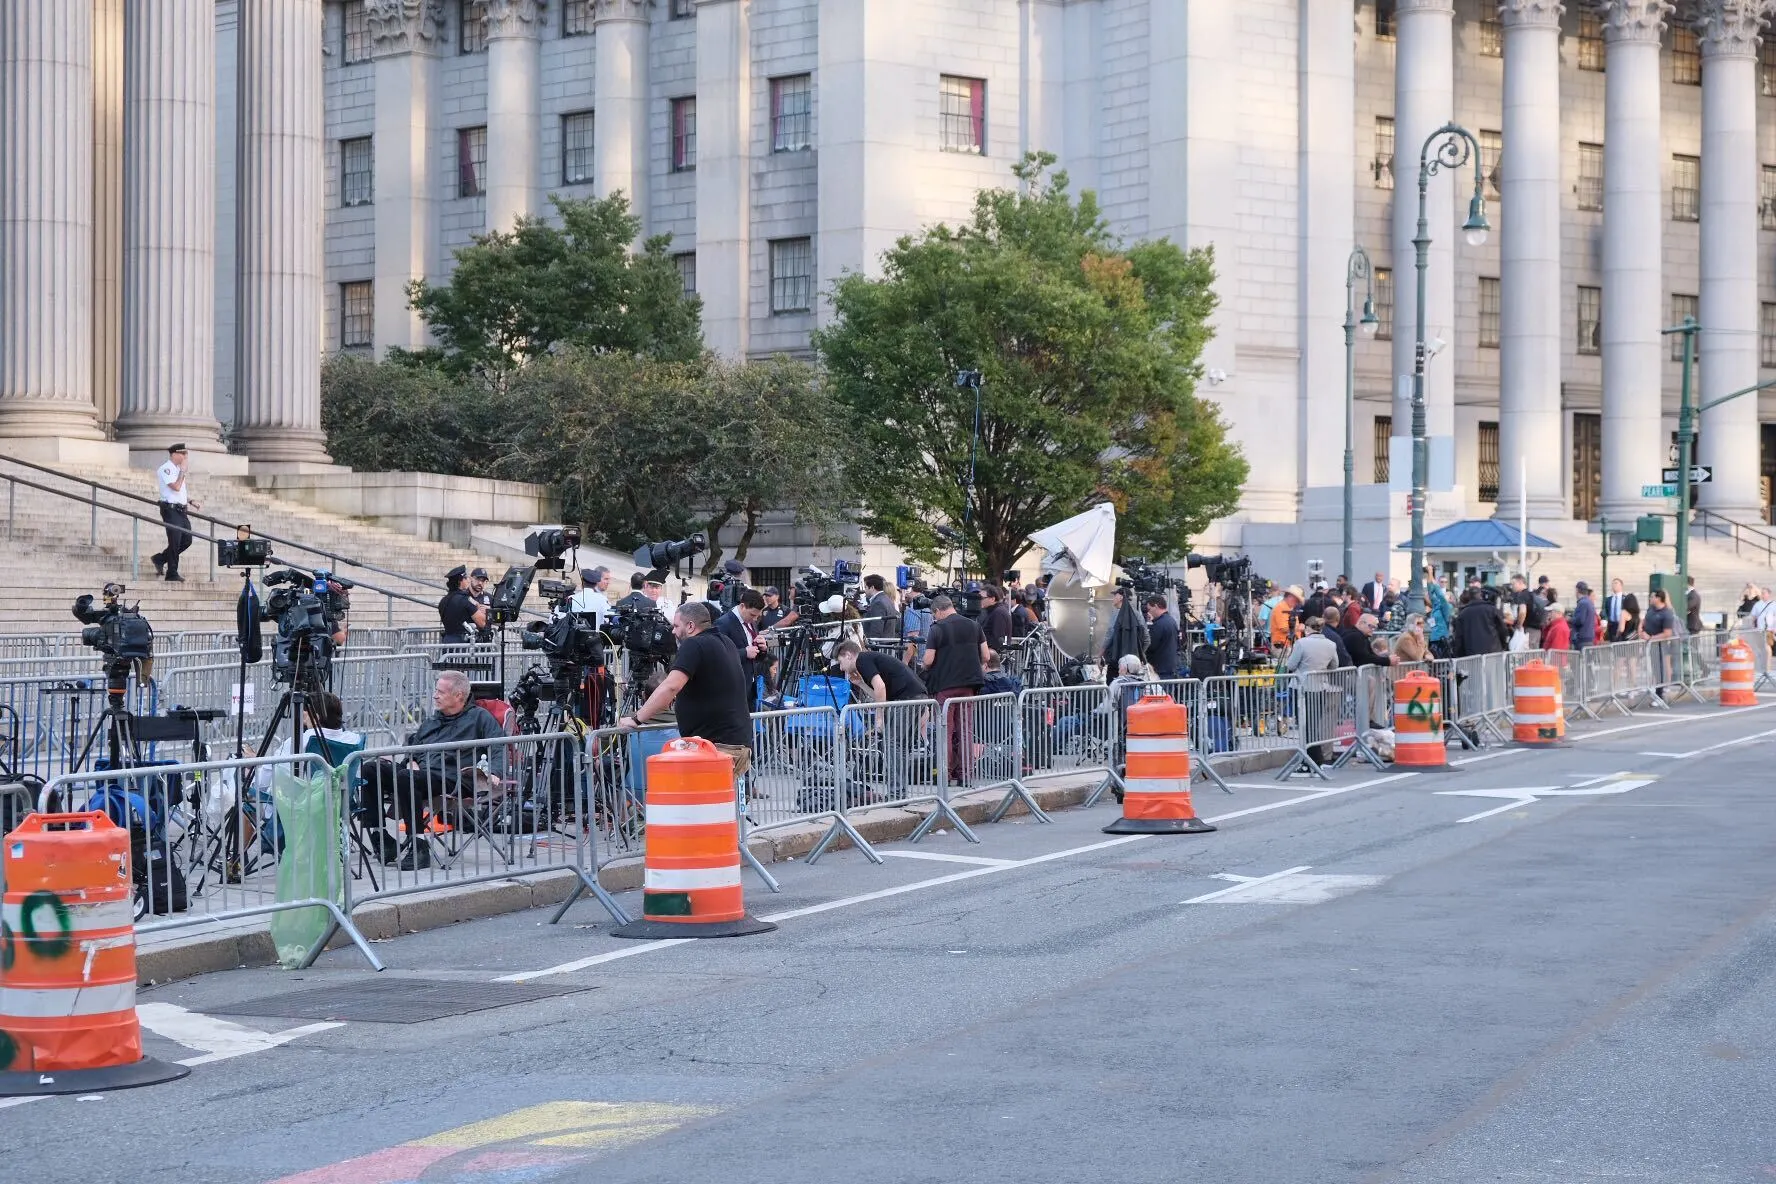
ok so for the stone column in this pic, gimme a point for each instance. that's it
(406, 41)
(1328, 221)
(1042, 63)
(1729, 292)
(107, 208)
(1424, 100)
(1633, 233)
(514, 103)
(46, 221)
(1081, 110)
(1529, 280)
(278, 355)
(724, 175)
(169, 184)
(620, 103)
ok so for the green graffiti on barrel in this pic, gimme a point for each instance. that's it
(51, 945)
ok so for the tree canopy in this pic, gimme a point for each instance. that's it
(1088, 352)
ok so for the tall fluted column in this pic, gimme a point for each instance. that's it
(1633, 231)
(1529, 249)
(1729, 293)
(46, 221)
(169, 184)
(514, 76)
(1327, 105)
(1424, 100)
(278, 356)
(406, 41)
(108, 205)
(620, 98)
(724, 174)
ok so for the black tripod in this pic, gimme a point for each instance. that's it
(122, 744)
(798, 664)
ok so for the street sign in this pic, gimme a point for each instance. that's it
(1699, 475)
(1660, 490)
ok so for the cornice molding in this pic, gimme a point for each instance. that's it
(403, 26)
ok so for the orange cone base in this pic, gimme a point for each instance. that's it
(1158, 826)
(651, 929)
(42, 1083)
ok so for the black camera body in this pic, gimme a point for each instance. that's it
(642, 630)
(567, 640)
(814, 587)
(1142, 577)
(549, 545)
(1222, 569)
(118, 631)
(967, 601)
(308, 609)
(671, 553)
(248, 552)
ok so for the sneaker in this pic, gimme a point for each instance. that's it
(159, 564)
(175, 578)
(418, 858)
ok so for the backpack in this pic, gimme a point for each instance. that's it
(157, 880)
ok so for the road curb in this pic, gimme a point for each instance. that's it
(175, 957)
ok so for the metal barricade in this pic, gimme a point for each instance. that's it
(440, 815)
(1701, 660)
(1666, 658)
(889, 754)
(1758, 641)
(798, 775)
(1254, 711)
(61, 723)
(980, 751)
(207, 845)
(1482, 699)
(1203, 739)
(1068, 731)
(1334, 708)
(1571, 664)
(384, 695)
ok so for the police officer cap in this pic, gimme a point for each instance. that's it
(456, 573)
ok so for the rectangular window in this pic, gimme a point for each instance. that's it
(1384, 18)
(1686, 189)
(1591, 55)
(1492, 157)
(1492, 33)
(1767, 336)
(1681, 306)
(1384, 430)
(684, 134)
(1686, 58)
(792, 113)
(1767, 197)
(471, 161)
(471, 28)
(687, 271)
(357, 315)
(962, 114)
(576, 18)
(1590, 189)
(576, 148)
(1489, 461)
(1382, 167)
(1489, 313)
(357, 166)
(792, 275)
(354, 33)
(1384, 302)
(683, 8)
(1590, 320)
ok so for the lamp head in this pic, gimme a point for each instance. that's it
(1370, 322)
(1476, 226)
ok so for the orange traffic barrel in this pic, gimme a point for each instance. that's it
(1156, 797)
(1538, 711)
(1738, 674)
(68, 961)
(691, 879)
(1418, 723)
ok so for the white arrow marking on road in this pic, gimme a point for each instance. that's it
(218, 1040)
(1612, 783)
(1246, 884)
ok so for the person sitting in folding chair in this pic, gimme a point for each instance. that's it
(408, 789)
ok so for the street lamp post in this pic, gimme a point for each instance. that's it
(1358, 268)
(1457, 148)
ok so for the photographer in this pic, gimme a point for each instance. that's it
(706, 688)
(410, 789)
(458, 610)
(1162, 638)
(887, 678)
(884, 606)
(995, 618)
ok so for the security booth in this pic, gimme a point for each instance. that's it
(1481, 548)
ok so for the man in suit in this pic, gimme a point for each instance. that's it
(740, 626)
(1375, 594)
(1614, 607)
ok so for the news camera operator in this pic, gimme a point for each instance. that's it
(888, 679)
(705, 688)
(458, 610)
(410, 789)
(1162, 638)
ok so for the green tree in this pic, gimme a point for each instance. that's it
(388, 418)
(1089, 355)
(519, 294)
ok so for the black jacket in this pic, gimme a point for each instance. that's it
(1162, 645)
(733, 628)
(1479, 629)
(1361, 650)
(1331, 634)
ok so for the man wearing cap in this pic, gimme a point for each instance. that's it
(591, 598)
(1282, 618)
(175, 504)
(458, 610)
(477, 588)
(653, 586)
(1584, 618)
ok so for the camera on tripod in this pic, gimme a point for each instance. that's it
(814, 589)
(1222, 569)
(1142, 577)
(644, 632)
(118, 631)
(309, 609)
(669, 554)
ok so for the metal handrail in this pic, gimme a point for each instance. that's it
(333, 557)
(13, 481)
(1740, 531)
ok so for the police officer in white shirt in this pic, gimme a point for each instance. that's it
(175, 502)
(591, 597)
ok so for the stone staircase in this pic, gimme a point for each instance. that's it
(1721, 571)
(57, 547)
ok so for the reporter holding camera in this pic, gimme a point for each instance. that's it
(458, 610)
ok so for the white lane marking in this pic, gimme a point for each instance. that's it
(1614, 783)
(1489, 756)
(1299, 889)
(940, 857)
(1667, 721)
(1231, 876)
(1247, 886)
(937, 881)
(216, 1039)
(1715, 747)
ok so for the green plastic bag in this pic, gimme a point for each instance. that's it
(308, 810)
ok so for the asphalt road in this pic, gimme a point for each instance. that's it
(1373, 979)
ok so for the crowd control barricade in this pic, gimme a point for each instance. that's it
(1333, 710)
(1701, 661)
(1206, 735)
(1253, 711)
(1619, 675)
(207, 848)
(1571, 664)
(1758, 640)
(1482, 699)
(384, 696)
(477, 659)
(441, 815)
(982, 752)
(889, 754)
(1067, 731)
(798, 775)
(57, 721)
(1666, 659)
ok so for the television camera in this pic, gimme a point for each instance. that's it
(118, 631)
(669, 554)
(1147, 580)
(1226, 570)
(310, 609)
(814, 588)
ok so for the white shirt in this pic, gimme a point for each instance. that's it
(167, 474)
(591, 600)
(262, 777)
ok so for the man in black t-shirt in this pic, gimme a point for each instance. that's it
(458, 609)
(955, 656)
(888, 678)
(706, 687)
(1529, 611)
(995, 618)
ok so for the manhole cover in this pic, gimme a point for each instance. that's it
(396, 1000)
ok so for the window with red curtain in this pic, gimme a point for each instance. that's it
(962, 114)
(684, 134)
